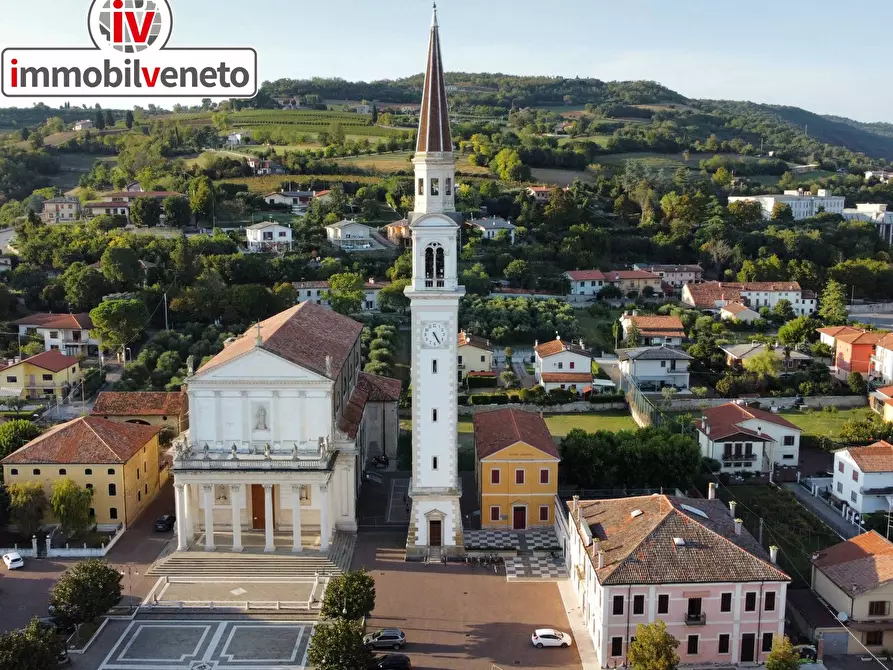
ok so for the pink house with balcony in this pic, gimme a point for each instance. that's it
(687, 562)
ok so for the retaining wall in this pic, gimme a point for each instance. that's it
(567, 408)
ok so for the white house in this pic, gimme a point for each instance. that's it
(540, 193)
(351, 236)
(86, 124)
(591, 282)
(882, 370)
(236, 139)
(882, 175)
(560, 364)
(586, 282)
(656, 367)
(713, 295)
(748, 439)
(654, 330)
(735, 311)
(69, 333)
(315, 291)
(802, 203)
(674, 275)
(875, 213)
(293, 199)
(789, 358)
(863, 477)
(269, 236)
(491, 226)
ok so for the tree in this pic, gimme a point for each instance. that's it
(764, 364)
(783, 655)
(519, 273)
(145, 212)
(121, 266)
(349, 596)
(509, 379)
(475, 280)
(99, 120)
(35, 647)
(781, 211)
(117, 322)
(201, 198)
(27, 503)
(857, 383)
(16, 434)
(832, 305)
(392, 296)
(71, 506)
(346, 292)
(109, 118)
(14, 404)
(633, 336)
(36, 140)
(339, 646)
(508, 166)
(783, 310)
(84, 286)
(177, 212)
(86, 590)
(722, 177)
(653, 648)
(128, 120)
(402, 267)
(668, 393)
(797, 330)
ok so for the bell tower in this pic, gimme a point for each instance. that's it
(435, 525)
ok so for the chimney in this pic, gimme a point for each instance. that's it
(738, 524)
(536, 343)
(732, 506)
(707, 429)
(635, 312)
(557, 337)
(575, 501)
(711, 491)
(328, 366)
(601, 559)
(258, 340)
(773, 554)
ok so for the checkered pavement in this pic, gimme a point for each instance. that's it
(491, 538)
(534, 567)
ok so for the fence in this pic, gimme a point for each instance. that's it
(565, 408)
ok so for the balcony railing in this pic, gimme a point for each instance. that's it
(739, 457)
(695, 619)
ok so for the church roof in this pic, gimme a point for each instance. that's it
(434, 117)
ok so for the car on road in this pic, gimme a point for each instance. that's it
(13, 560)
(385, 638)
(391, 662)
(165, 523)
(549, 637)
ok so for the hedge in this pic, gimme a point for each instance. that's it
(480, 382)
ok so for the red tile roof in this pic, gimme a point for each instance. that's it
(352, 412)
(44, 320)
(709, 293)
(567, 377)
(724, 420)
(642, 549)
(886, 342)
(467, 339)
(834, 331)
(877, 457)
(862, 337)
(111, 403)
(52, 360)
(558, 346)
(501, 428)
(88, 439)
(659, 326)
(619, 275)
(858, 565)
(585, 275)
(379, 388)
(735, 308)
(304, 335)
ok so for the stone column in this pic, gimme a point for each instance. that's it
(180, 507)
(234, 491)
(296, 517)
(187, 512)
(208, 490)
(268, 517)
(324, 531)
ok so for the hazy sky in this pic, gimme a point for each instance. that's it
(817, 54)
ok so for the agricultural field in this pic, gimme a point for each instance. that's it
(268, 183)
(74, 165)
(559, 177)
(601, 140)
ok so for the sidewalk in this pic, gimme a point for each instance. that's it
(585, 648)
(826, 513)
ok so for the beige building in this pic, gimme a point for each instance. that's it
(146, 408)
(61, 210)
(475, 354)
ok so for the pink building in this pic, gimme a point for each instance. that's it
(687, 562)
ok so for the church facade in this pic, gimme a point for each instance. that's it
(282, 423)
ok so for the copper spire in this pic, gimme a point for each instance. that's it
(434, 117)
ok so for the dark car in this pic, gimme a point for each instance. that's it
(385, 638)
(391, 662)
(165, 523)
(57, 623)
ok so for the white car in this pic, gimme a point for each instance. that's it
(549, 637)
(13, 560)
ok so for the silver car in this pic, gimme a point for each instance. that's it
(386, 638)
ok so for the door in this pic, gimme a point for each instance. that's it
(435, 533)
(748, 643)
(258, 508)
(519, 518)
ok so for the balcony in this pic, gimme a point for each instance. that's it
(739, 457)
(695, 619)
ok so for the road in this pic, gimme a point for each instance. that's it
(827, 514)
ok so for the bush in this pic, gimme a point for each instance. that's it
(480, 382)
(606, 398)
(380, 343)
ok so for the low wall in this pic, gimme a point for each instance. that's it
(567, 408)
(697, 404)
(84, 551)
(871, 308)
(24, 553)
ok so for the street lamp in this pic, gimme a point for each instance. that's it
(126, 352)
(130, 572)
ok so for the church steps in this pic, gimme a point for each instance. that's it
(212, 564)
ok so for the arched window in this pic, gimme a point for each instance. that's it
(439, 267)
(434, 265)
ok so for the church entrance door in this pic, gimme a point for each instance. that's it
(435, 533)
(258, 509)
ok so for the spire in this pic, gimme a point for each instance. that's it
(434, 117)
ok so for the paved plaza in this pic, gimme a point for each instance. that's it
(193, 644)
(224, 591)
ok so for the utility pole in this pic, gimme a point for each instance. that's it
(761, 532)
(165, 311)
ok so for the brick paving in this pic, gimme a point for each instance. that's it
(456, 616)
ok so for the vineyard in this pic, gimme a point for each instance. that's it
(293, 121)
(310, 182)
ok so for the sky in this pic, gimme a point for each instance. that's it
(816, 55)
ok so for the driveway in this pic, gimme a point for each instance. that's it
(824, 511)
(527, 380)
(25, 593)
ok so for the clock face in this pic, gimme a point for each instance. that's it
(435, 335)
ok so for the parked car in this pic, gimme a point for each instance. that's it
(165, 523)
(385, 638)
(549, 637)
(391, 662)
(13, 560)
(57, 623)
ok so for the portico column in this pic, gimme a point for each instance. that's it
(234, 491)
(296, 517)
(208, 490)
(187, 512)
(268, 517)
(324, 531)
(179, 505)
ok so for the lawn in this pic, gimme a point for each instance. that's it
(558, 177)
(596, 330)
(824, 424)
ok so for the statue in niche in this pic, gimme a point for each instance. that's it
(221, 493)
(261, 422)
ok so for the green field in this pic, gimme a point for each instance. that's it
(824, 424)
(559, 177)
(596, 330)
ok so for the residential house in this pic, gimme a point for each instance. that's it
(854, 351)
(560, 364)
(86, 124)
(803, 204)
(492, 226)
(61, 210)
(293, 199)
(264, 166)
(118, 203)
(372, 293)
(855, 578)
(591, 282)
(399, 234)
(674, 275)
(736, 311)
(828, 336)
(748, 439)
(656, 367)
(883, 175)
(791, 360)
(876, 213)
(145, 408)
(516, 468)
(352, 236)
(316, 291)
(713, 295)
(882, 359)
(653, 329)
(540, 193)
(118, 461)
(475, 355)
(813, 618)
(585, 282)
(269, 236)
(237, 139)
(69, 333)
(686, 562)
(49, 374)
(863, 477)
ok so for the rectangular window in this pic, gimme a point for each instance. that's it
(769, 602)
(723, 643)
(663, 604)
(840, 487)
(639, 604)
(482, 359)
(750, 601)
(571, 365)
(12, 380)
(544, 476)
(434, 415)
(617, 605)
(544, 513)
(449, 186)
(421, 186)
(725, 602)
(435, 186)
(434, 463)
(494, 513)
(519, 476)
(840, 466)
(853, 496)
(855, 475)
(113, 513)
(434, 366)
(767, 641)
(54, 334)
(616, 646)
(494, 476)
(47, 378)
(874, 638)
(561, 366)
(692, 645)
(879, 608)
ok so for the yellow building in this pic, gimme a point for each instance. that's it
(147, 408)
(881, 401)
(49, 373)
(516, 469)
(475, 354)
(119, 461)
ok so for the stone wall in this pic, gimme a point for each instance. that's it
(871, 308)
(579, 407)
(696, 404)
